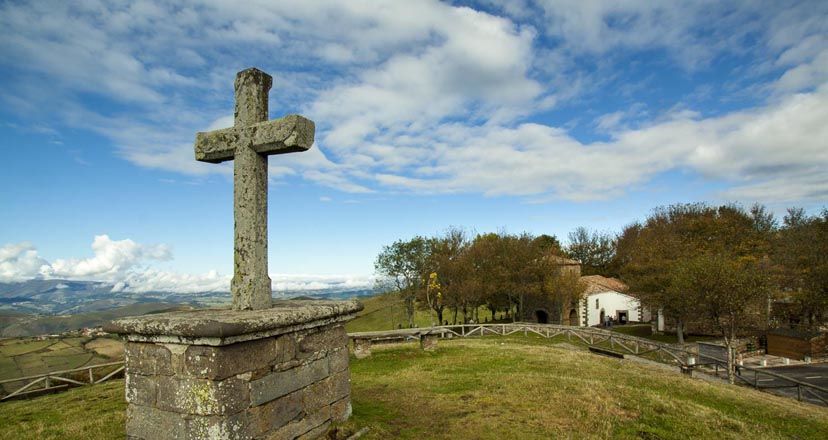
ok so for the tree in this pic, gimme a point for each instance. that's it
(434, 296)
(403, 265)
(595, 250)
(650, 254)
(563, 288)
(444, 259)
(730, 293)
(801, 251)
(763, 220)
(549, 243)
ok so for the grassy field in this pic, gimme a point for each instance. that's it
(489, 388)
(17, 325)
(645, 331)
(93, 412)
(387, 312)
(27, 356)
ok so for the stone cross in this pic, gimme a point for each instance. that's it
(248, 143)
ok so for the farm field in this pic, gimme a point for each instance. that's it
(29, 356)
(488, 388)
(387, 311)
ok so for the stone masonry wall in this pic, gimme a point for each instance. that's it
(291, 386)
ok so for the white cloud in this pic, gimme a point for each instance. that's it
(154, 280)
(432, 97)
(125, 265)
(19, 262)
(304, 282)
(609, 121)
(748, 148)
(112, 259)
(806, 75)
(692, 33)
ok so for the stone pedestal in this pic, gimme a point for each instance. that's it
(428, 342)
(277, 373)
(362, 348)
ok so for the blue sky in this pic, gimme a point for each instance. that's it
(536, 116)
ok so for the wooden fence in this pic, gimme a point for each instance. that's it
(683, 356)
(590, 336)
(59, 380)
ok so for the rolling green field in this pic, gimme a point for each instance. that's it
(387, 312)
(489, 388)
(28, 356)
(15, 325)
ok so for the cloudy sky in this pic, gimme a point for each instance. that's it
(536, 116)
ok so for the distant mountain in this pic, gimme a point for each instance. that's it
(53, 306)
(32, 325)
(64, 297)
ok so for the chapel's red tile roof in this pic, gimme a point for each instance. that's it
(598, 283)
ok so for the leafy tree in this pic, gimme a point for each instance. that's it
(730, 293)
(549, 243)
(801, 252)
(650, 254)
(763, 220)
(564, 289)
(595, 250)
(444, 254)
(434, 296)
(402, 264)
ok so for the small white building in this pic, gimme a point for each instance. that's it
(604, 297)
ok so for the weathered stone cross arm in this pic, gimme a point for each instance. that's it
(290, 134)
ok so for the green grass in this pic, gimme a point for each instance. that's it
(494, 388)
(387, 312)
(645, 331)
(14, 347)
(94, 412)
(27, 357)
(489, 388)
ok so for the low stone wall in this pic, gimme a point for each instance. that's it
(291, 384)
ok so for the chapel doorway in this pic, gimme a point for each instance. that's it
(573, 317)
(542, 317)
(603, 319)
(622, 317)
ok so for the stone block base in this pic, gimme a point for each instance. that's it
(362, 348)
(428, 342)
(290, 381)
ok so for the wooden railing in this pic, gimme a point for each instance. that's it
(590, 336)
(59, 380)
(682, 356)
(804, 391)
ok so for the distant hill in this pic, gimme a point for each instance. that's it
(64, 297)
(38, 306)
(16, 326)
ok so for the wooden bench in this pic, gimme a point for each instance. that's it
(607, 352)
